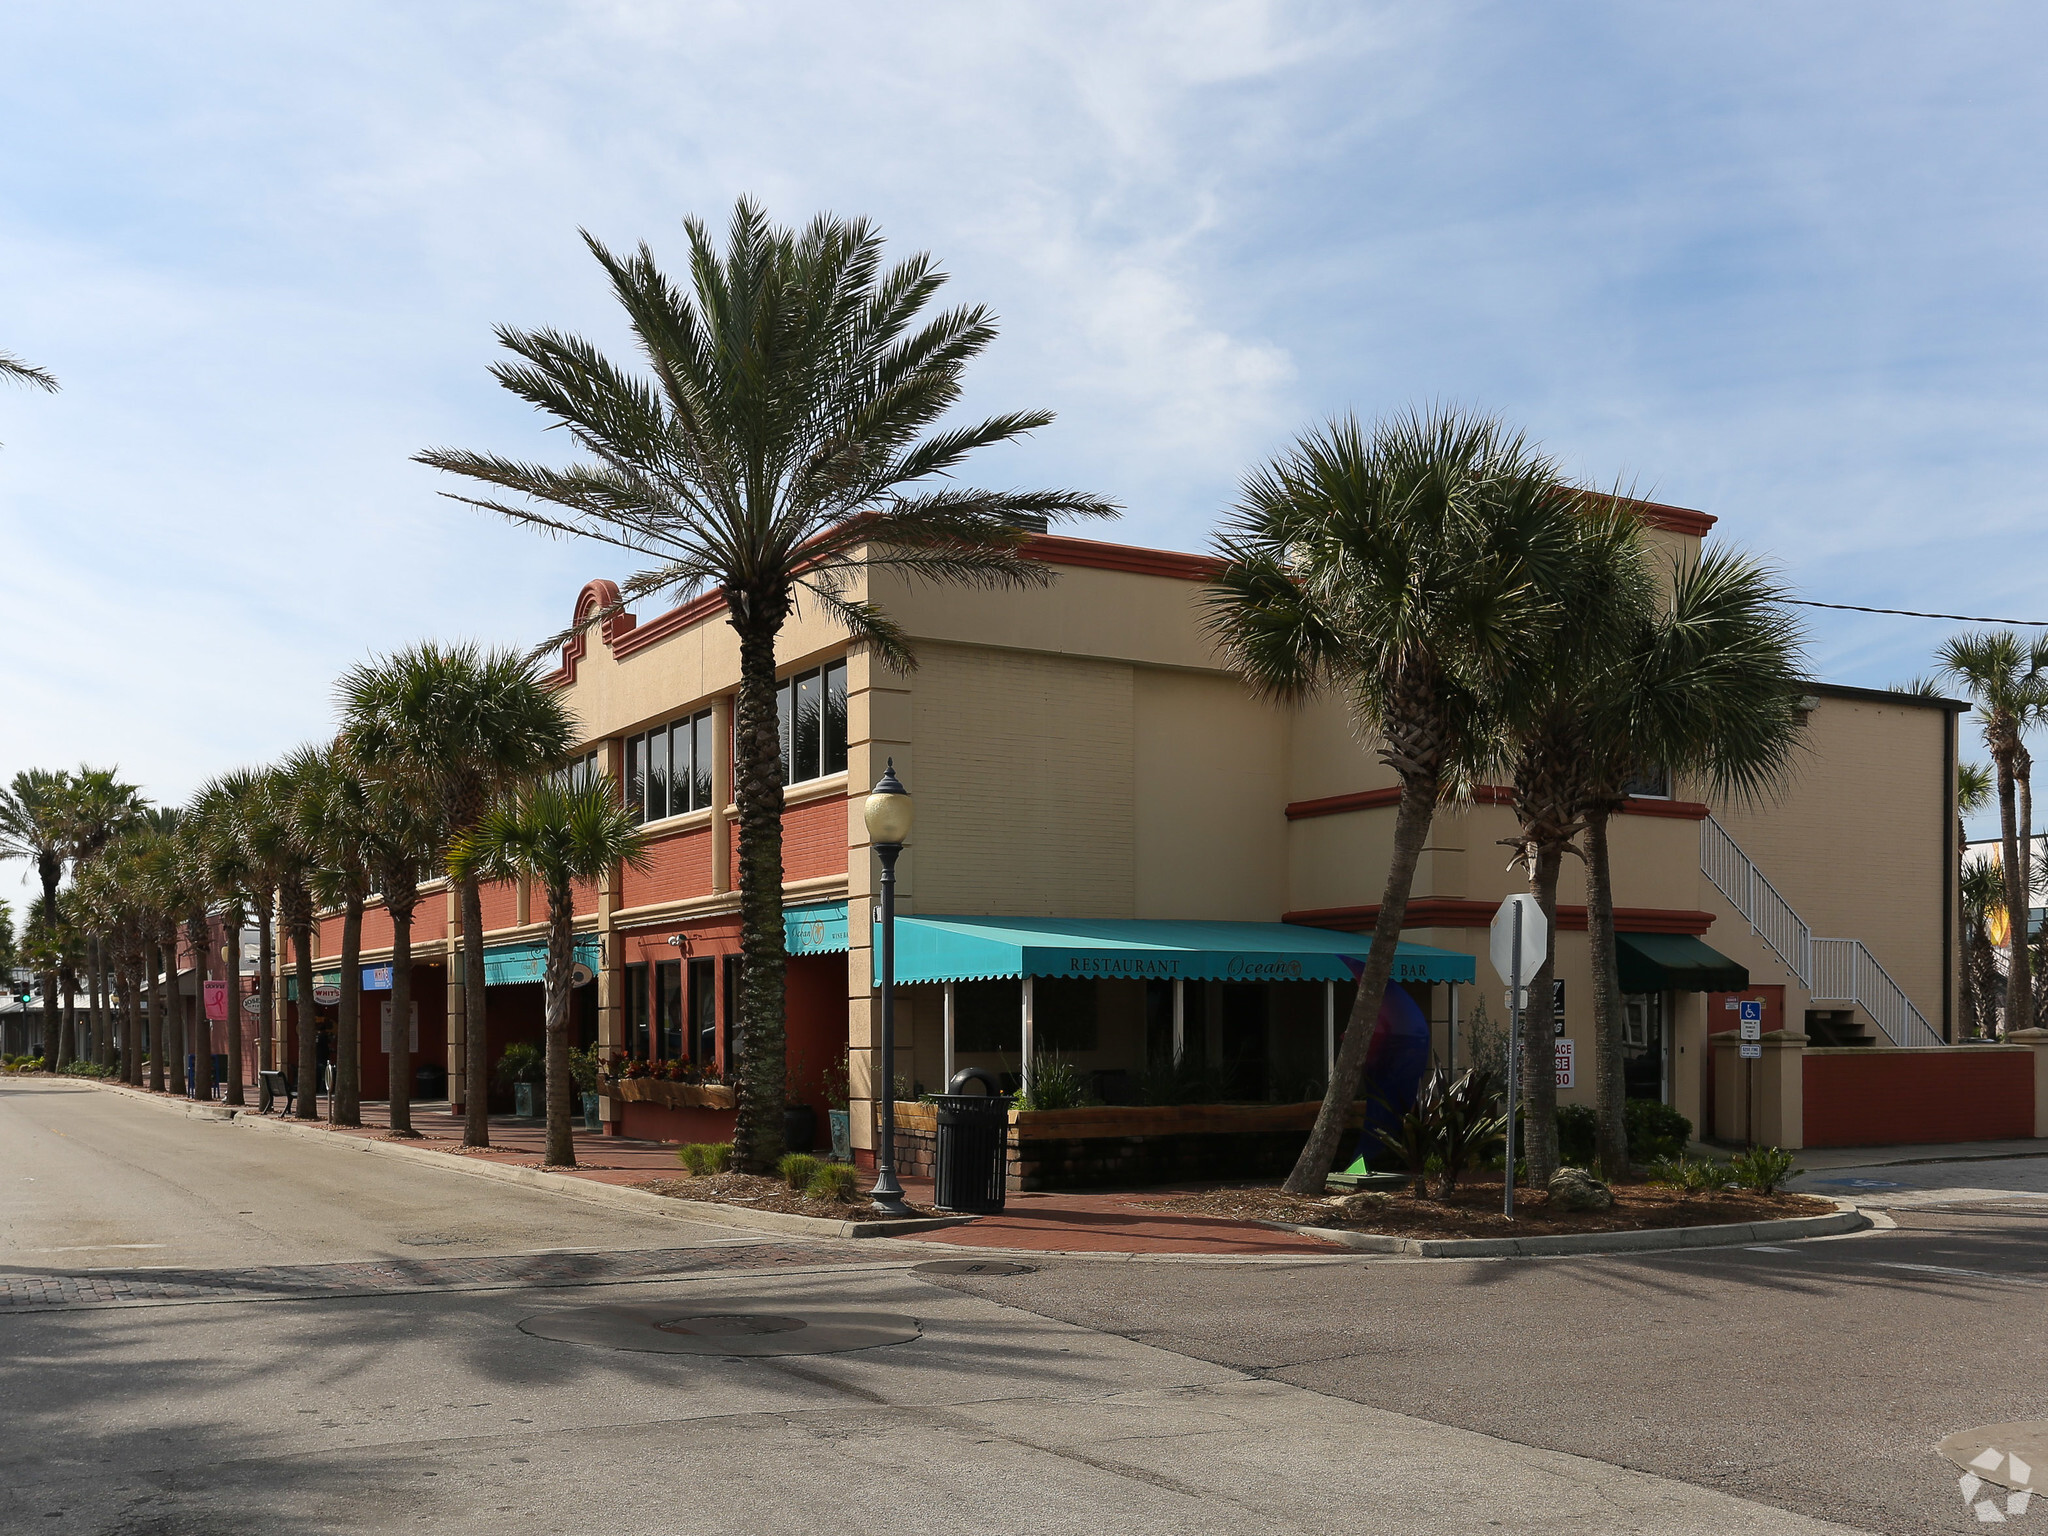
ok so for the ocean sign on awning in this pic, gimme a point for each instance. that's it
(1147, 949)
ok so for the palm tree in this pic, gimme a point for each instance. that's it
(1974, 788)
(465, 726)
(101, 807)
(1410, 567)
(286, 788)
(222, 809)
(2007, 678)
(405, 839)
(198, 880)
(337, 814)
(263, 825)
(1606, 595)
(558, 836)
(20, 372)
(1712, 690)
(35, 825)
(783, 452)
(161, 871)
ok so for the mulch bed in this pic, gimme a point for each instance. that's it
(759, 1193)
(1474, 1210)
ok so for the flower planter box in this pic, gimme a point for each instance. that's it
(656, 1090)
(1131, 1144)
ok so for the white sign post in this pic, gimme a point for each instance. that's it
(1519, 941)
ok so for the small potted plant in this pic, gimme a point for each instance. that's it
(524, 1067)
(836, 1112)
(583, 1071)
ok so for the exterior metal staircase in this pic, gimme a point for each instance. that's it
(1830, 970)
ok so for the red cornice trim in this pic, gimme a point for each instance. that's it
(1054, 549)
(1675, 519)
(1482, 794)
(1450, 912)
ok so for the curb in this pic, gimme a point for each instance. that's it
(1648, 1240)
(712, 1213)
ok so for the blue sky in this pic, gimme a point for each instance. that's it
(1779, 263)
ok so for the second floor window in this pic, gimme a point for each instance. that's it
(580, 770)
(668, 768)
(811, 707)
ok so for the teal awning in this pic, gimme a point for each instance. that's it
(819, 929)
(1110, 949)
(511, 965)
(1675, 962)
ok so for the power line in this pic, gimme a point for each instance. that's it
(1911, 613)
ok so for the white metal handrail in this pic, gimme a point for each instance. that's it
(1769, 915)
(1831, 970)
(1845, 971)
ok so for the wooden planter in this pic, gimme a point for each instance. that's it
(655, 1090)
(1130, 1144)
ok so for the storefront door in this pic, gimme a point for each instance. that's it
(1645, 1048)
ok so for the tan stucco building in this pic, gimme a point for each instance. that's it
(1081, 752)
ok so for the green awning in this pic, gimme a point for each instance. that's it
(510, 965)
(1675, 962)
(1111, 949)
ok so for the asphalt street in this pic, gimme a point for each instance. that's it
(294, 1358)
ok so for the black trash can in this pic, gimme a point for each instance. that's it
(973, 1154)
(430, 1081)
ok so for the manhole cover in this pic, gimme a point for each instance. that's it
(2007, 1459)
(732, 1325)
(973, 1267)
(669, 1330)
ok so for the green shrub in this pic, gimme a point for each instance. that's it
(583, 1069)
(703, 1158)
(88, 1069)
(1578, 1135)
(1691, 1175)
(798, 1168)
(1654, 1130)
(1055, 1084)
(522, 1063)
(1763, 1169)
(834, 1181)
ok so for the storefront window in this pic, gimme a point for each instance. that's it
(636, 1012)
(668, 976)
(811, 709)
(1643, 1047)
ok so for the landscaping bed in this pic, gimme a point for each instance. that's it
(759, 1193)
(1474, 1210)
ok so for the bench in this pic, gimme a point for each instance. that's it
(274, 1084)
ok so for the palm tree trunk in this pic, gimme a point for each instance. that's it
(307, 1106)
(266, 980)
(764, 959)
(53, 1022)
(67, 978)
(201, 940)
(1610, 1087)
(1411, 830)
(561, 1152)
(2018, 993)
(2023, 793)
(476, 1054)
(348, 1029)
(159, 1019)
(401, 1019)
(231, 968)
(1539, 1067)
(128, 984)
(95, 1003)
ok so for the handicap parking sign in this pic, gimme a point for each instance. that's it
(1752, 1010)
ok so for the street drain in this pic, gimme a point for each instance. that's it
(664, 1331)
(973, 1267)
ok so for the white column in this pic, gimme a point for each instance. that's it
(1180, 1018)
(1451, 1044)
(1030, 1038)
(1329, 1033)
(946, 1050)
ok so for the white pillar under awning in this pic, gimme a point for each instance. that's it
(1180, 1019)
(1030, 1039)
(1329, 1032)
(946, 1053)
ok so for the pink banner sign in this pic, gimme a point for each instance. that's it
(216, 999)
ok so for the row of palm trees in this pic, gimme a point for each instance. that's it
(1490, 620)
(438, 768)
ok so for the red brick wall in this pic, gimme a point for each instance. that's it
(327, 942)
(500, 904)
(680, 867)
(1878, 1097)
(377, 928)
(813, 839)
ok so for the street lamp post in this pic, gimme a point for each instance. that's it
(888, 817)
